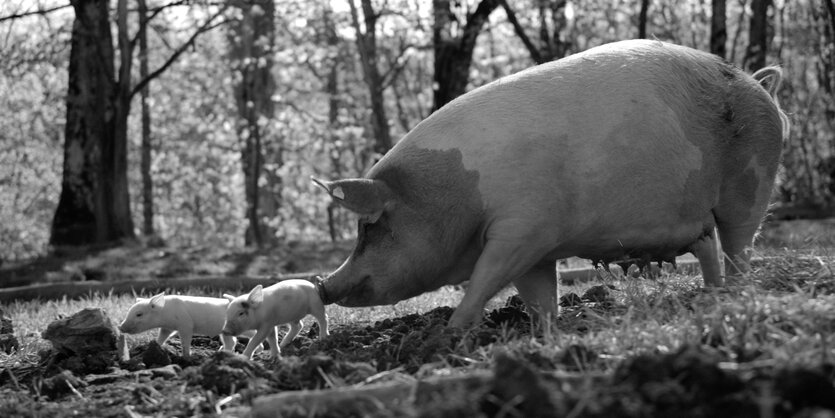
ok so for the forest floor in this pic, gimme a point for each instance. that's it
(621, 347)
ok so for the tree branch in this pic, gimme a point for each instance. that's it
(395, 66)
(42, 12)
(831, 8)
(207, 26)
(474, 23)
(520, 32)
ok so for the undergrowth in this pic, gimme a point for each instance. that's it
(782, 312)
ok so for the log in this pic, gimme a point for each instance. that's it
(47, 291)
(377, 399)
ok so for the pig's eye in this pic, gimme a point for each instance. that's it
(138, 315)
(241, 313)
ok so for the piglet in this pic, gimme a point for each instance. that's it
(185, 315)
(285, 302)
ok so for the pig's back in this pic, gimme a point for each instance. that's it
(206, 313)
(624, 144)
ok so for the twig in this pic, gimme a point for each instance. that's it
(131, 413)
(207, 26)
(13, 378)
(327, 378)
(75, 391)
(42, 12)
(221, 403)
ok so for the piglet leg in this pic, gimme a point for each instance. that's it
(295, 327)
(185, 340)
(164, 335)
(228, 342)
(322, 319)
(258, 338)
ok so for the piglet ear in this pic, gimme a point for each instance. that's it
(365, 197)
(229, 297)
(256, 296)
(158, 301)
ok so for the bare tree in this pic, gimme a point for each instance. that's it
(718, 28)
(740, 24)
(551, 46)
(94, 206)
(642, 19)
(252, 43)
(145, 161)
(367, 47)
(757, 49)
(454, 48)
(332, 40)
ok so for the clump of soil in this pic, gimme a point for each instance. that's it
(226, 373)
(518, 387)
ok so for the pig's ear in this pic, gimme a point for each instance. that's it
(256, 296)
(158, 301)
(229, 297)
(366, 197)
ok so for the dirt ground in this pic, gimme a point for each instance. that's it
(158, 382)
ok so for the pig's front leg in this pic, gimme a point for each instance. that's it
(295, 327)
(164, 335)
(501, 262)
(259, 337)
(228, 342)
(185, 340)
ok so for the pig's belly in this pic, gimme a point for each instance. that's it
(661, 242)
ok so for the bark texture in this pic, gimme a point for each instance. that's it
(94, 206)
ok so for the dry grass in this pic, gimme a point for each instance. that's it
(782, 313)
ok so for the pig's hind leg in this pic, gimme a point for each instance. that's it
(164, 335)
(540, 291)
(318, 312)
(295, 327)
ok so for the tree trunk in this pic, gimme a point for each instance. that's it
(755, 54)
(367, 46)
(738, 32)
(251, 46)
(642, 19)
(718, 28)
(830, 7)
(145, 164)
(94, 206)
(332, 89)
(454, 54)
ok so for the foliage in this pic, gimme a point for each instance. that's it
(197, 173)
(32, 88)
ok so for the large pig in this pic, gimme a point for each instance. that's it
(632, 151)
(185, 315)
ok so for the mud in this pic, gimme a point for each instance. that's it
(157, 381)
